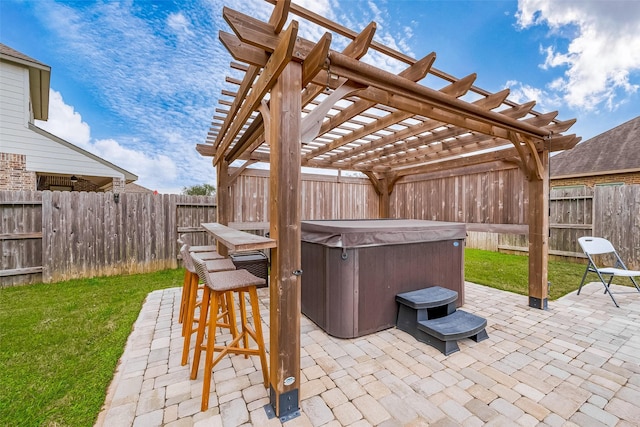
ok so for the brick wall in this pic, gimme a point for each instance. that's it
(47, 181)
(14, 174)
(590, 181)
(118, 185)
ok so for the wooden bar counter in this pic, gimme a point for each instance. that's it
(236, 240)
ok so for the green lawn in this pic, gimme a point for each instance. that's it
(59, 343)
(510, 273)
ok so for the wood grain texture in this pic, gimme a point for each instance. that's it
(285, 216)
(100, 242)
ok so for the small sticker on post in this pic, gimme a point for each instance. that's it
(289, 380)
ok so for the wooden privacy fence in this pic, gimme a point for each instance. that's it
(611, 211)
(485, 200)
(488, 197)
(322, 197)
(52, 236)
(20, 237)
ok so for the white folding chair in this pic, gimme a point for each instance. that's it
(598, 246)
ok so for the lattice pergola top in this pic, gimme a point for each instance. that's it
(356, 116)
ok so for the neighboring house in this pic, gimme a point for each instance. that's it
(32, 158)
(611, 158)
(135, 188)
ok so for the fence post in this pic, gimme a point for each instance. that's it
(47, 233)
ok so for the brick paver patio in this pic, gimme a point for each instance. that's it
(573, 364)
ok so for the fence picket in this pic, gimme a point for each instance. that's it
(52, 236)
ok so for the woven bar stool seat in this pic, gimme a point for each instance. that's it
(214, 262)
(190, 295)
(217, 284)
(206, 248)
(209, 254)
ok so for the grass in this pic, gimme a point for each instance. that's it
(510, 273)
(60, 343)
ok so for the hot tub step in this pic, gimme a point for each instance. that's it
(443, 333)
(435, 296)
(424, 304)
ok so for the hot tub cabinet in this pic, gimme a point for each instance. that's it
(353, 269)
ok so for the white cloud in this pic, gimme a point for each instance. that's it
(378, 14)
(321, 7)
(180, 25)
(64, 122)
(523, 93)
(161, 78)
(603, 50)
(155, 170)
(163, 88)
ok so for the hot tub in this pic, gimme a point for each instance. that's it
(353, 269)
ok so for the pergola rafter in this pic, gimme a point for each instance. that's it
(256, 38)
(302, 103)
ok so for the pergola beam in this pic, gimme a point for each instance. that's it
(365, 150)
(396, 85)
(415, 73)
(377, 46)
(277, 20)
(458, 88)
(278, 60)
(279, 15)
(356, 49)
(439, 145)
(314, 59)
(507, 153)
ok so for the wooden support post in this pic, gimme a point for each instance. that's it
(284, 210)
(223, 197)
(386, 185)
(384, 209)
(383, 187)
(539, 234)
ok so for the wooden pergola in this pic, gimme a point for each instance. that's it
(301, 103)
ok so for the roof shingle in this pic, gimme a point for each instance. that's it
(617, 149)
(6, 50)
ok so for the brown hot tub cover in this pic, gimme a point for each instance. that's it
(367, 233)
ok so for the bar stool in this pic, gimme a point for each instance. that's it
(186, 240)
(204, 254)
(216, 284)
(190, 291)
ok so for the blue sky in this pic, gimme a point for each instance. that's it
(137, 82)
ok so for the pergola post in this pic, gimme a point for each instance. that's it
(383, 187)
(539, 235)
(223, 200)
(284, 209)
(384, 208)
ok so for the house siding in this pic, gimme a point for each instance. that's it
(42, 154)
(14, 108)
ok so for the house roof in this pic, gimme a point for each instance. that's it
(128, 176)
(614, 151)
(132, 187)
(39, 79)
